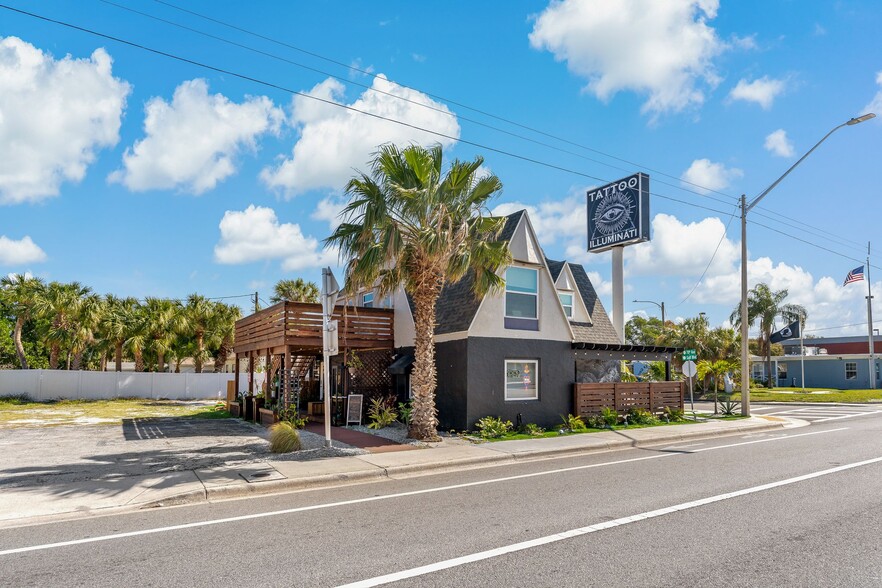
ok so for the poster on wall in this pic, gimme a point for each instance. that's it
(618, 213)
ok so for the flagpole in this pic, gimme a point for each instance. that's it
(872, 373)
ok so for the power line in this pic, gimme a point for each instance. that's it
(707, 267)
(841, 326)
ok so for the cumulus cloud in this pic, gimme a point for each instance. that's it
(255, 234)
(779, 144)
(20, 252)
(553, 221)
(763, 91)
(334, 141)
(875, 104)
(54, 116)
(192, 142)
(705, 176)
(662, 49)
(679, 249)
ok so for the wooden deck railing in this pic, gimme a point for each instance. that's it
(622, 396)
(299, 325)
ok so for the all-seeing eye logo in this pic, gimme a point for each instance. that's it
(613, 213)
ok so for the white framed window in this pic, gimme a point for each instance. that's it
(367, 299)
(522, 293)
(566, 299)
(850, 370)
(522, 379)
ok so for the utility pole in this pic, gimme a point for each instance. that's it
(256, 303)
(872, 374)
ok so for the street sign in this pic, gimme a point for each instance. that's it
(689, 355)
(689, 369)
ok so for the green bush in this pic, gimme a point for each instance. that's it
(641, 416)
(381, 413)
(493, 427)
(610, 416)
(284, 438)
(596, 422)
(675, 415)
(405, 411)
(292, 415)
(728, 406)
(531, 429)
(573, 423)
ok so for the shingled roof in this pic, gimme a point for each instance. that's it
(600, 329)
(457, 305)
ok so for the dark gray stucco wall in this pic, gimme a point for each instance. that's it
(452, 363)
(486, 380)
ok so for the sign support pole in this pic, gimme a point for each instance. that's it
(326, 358)
(618, 291)
(872, 374)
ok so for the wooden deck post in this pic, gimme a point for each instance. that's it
(250, 373)
(236, 379)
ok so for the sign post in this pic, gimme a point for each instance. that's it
(330, 290)
(689, 371)
(618, 215)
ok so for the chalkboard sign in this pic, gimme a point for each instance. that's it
(353, 409)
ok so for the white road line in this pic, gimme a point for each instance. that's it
(491, 553)
(391, 496)
(836, 418)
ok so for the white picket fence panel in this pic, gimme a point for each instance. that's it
(69, 385)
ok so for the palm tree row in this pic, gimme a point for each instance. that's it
(72, 327)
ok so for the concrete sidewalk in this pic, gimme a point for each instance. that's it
(34, 504)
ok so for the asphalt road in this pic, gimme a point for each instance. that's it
(799, 507)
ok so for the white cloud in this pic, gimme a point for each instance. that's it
(663, 49)
(562, 219)
(779, 144)
(705, 176)
(192, 143)
(20, 252)
(875, 104)
(255, 234)
(763, 91)
(679, 249)
(54, 116)
(602, 287)
(329, 210)
(747, 43)
(335, 141)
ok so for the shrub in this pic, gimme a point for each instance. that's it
(292, 415)
(381, 414)
(641, 416)
(675, 415)
(728, 406)
(573, 423)
(610, 416)
(284, 438)
(531, 429)
(405, 411)
(493, 427)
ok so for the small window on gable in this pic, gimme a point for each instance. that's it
(367, 300)
(522, 298)
(566, 299)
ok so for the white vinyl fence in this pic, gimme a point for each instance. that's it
(57, 384)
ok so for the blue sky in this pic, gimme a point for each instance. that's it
(144, 176)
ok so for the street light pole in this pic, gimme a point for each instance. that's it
(661, 305)
(745, 208)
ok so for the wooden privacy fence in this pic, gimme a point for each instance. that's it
(622, 396)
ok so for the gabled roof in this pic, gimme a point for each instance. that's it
(601, 329)
(457, 304)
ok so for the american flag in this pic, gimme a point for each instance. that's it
(855, 275)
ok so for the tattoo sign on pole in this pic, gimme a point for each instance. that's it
(618, 213)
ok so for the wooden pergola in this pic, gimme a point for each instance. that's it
(289, 336)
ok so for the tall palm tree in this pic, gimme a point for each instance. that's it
(298, 290)
(410, 223)
(115, 325)
(137, 334)
(21, 292)
(766, 305)
(83, 328)
(163, 322)
(221, 340)
(198, 319)
(60, 304)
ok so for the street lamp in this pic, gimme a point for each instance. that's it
(745, 208)
(661, 305)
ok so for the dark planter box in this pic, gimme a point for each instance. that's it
(235, 409)
(267, 417)
(256, 404)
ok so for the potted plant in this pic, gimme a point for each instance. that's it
(268, 413)
(353, 363)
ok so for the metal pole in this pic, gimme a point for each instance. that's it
(326, 368)
(618, 291)
(745, 368)
(872, 376)
(802, 356)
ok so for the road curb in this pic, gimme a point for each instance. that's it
(233, 491)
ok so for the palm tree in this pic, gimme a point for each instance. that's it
(298, 290)
(198, 318)
(137, 334)
(409, 223)
(21, 292)
(60, 304)
(83, 328)
(115, 325)
(163, 322)
(222, 336)
(765, 304)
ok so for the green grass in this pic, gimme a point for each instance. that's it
(20, 412)
(810, 395)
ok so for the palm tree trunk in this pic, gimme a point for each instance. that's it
(54, 352)
(160, 356)
(424, 419)
(77, 360)
(769, 362)
(139, 361)
(200, 345)
(118, 355)
(19, 348)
